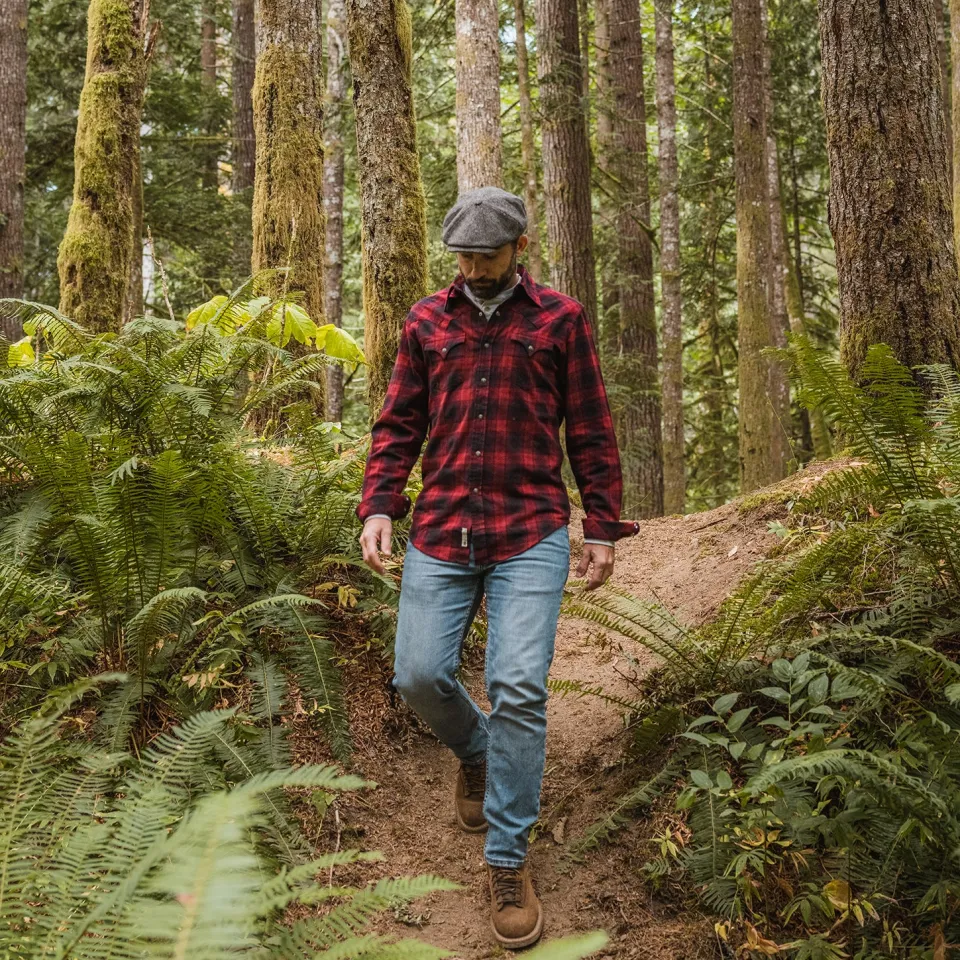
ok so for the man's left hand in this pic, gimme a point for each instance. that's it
(600, 557)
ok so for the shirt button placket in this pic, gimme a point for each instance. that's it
(478, 434)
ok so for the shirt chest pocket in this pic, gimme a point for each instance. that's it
(446, 361)
(534, 381)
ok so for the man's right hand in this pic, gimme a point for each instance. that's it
(377, 533)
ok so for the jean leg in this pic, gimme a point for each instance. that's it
(438, 601)
(523, 605)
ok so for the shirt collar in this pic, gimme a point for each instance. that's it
(527, 284)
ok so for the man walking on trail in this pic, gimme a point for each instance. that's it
(490, 367)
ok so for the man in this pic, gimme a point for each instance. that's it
(490, 367)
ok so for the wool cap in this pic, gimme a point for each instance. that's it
(483, 220)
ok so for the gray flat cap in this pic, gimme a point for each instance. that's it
(483, 220)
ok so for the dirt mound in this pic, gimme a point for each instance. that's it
(690, 564)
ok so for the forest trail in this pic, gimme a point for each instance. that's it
(690, 564)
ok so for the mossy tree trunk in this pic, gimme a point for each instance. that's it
(954, 127)
(288, 223)
(890, 209)
(943, 44)
(393, 206)
(243, 66)
(640, 426)
(782, 427)
(97, 250)
(528, 149)
(609, 275)
(566, 157)
(671, 316)
(336, 118)
(13, 149)
(761, 457)
(479, 156)
(208, 78)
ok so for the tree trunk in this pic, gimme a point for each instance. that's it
(782, 426)
(609, 279)
(479, 162)
(528, 149)
(566, 159)
(889, 190)
(13, 149)
(759, 464)
(640, 431)
(393, 205)
(288, 229)
(208, 79)
(584, 15)
(943, 43)
(955, 124)
(95, 255)
(333, 187)
(243, 67)
(674, 474)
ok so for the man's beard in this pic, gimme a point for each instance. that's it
(488, 289)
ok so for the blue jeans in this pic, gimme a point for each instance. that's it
(438, 601)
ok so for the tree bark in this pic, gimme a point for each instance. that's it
(333, 187)
(759, 464)
(208, 79)
(889, 205)
(244, 61)
(95, 255)
(13, 149)
(782, 426)
(288, 227)
(393, 205)
(584, 15)
(640, 418)
(674, 473)
(528, 149)
(566, 158)
(943, 44)
(955, 116)
(609, 279)
(479, 159)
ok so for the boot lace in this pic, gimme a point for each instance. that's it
(475, 778)
(508, 886)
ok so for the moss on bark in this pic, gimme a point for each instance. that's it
(97, 248)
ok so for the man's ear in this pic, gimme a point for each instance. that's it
(522, 242)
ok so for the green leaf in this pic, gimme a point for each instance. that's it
(739, 718)
(288, 320)
(701, 779)
(697, 738)
(206, 312)
(776, 693)
(952, 693)
(20, 354)
(725, 703)
(724, 781)
(334, 341)
(818, 688)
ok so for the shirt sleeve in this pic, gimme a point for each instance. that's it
(398, 433)
(591, 441)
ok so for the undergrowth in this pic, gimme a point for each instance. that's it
(808, 738)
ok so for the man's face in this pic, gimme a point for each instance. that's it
(488, 274)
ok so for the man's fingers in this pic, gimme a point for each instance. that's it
(385, 537)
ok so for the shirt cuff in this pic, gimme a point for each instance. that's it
(392, 505)
(606, 543)
(386, 516)
(609, 529)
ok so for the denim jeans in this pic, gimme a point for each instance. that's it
(438, 601)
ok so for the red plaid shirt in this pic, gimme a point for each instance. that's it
(492, 394)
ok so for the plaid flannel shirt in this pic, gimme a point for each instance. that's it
(490, 397)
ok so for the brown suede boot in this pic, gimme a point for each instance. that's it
(516, 914)
(471, 787)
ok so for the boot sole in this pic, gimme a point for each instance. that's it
(467, 829)
(520, 942)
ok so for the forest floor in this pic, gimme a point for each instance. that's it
(690, 564)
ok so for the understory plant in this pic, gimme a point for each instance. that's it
(809, 736)
(147, 527)
(107, 855)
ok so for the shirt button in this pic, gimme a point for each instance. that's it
(477, 452)
(483, 379)
(530, 347)
(475, 489)
(443, 350)
(480, 415)
(486, 344)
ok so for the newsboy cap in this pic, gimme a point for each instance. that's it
(483, 220)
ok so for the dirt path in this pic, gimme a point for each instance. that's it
(690, 564)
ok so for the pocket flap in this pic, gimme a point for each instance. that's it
(443, 343)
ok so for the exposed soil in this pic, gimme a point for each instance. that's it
(690, 564)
